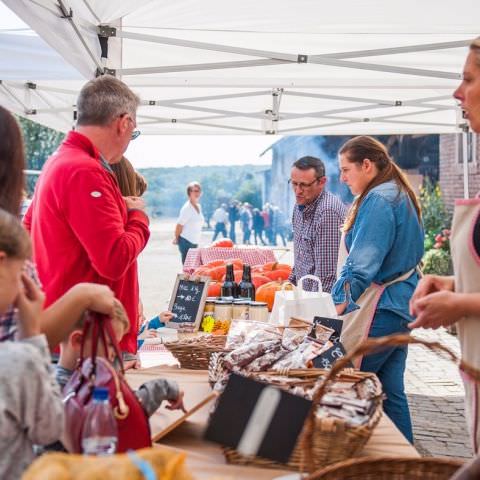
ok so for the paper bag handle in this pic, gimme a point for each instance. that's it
(299, 291)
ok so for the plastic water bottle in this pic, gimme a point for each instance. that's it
(100, 435)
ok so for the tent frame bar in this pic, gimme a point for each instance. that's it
(327, 59)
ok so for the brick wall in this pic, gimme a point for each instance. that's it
(451, 172)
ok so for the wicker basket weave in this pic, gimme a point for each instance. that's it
(318, 447)
(194, 354)
(334, 439)
(386, 468)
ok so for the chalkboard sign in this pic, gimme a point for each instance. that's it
(187, 302)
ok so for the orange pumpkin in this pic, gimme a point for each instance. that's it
(201, 272)
(214, 289)
(272, 266)
(277, 274)
(259, 280)
(236, 262)
(266, 292)
(217, 273)
(224, 243)
(237, 274)
(215, 263)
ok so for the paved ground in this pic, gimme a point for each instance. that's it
(433, 385)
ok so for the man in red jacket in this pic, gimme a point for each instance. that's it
(82, 229)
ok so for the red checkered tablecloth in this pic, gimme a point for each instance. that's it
(251, 256)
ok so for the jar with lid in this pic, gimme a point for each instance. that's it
(223, 316)
(258, 311)
(240, 309)
(208, 319)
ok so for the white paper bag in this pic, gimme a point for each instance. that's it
(302, 304)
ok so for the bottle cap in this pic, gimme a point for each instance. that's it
(100, 394)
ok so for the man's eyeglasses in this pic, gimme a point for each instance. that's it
(301, 185)
(136, 132)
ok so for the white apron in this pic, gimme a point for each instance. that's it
(357, 324)
(466, 265)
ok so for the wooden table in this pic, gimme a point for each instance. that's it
(206, 461)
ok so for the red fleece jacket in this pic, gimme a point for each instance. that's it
(81, 229)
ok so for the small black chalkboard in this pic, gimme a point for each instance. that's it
(257, 419)
(187, 302)
(329, 357)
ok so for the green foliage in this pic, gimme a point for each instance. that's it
(434, 214)
(166, 191)
(437, 261)
(40, 142)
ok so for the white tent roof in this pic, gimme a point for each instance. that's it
(263, 66)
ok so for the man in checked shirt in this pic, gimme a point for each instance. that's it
(317, 219)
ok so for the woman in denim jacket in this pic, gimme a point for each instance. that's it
(381, 247)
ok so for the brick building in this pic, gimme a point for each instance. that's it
(451, 166)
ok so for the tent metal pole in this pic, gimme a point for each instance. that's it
(385, 68)
(15, 97)
(209, 97)
(68, 15)
(210, 82)
(209, 46)
(465, 154)
(199, 66)
(394, 50)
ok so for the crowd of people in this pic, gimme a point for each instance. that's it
(259, 227)
(86, 226)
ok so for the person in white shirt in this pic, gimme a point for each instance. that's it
(220, 217)
(190, 221)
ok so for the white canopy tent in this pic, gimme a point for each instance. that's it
(269, 66)
(251, 67)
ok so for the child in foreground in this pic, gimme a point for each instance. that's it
(151, 394)
(31, 409)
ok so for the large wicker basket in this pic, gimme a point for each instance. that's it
(386, 468)
(322, 442)
(334, 440)
(194, 353)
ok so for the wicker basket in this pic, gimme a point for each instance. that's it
(194, 353)
(334, 439)
(323, 442)
(386, 468)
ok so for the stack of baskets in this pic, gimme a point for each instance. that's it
(194, 353)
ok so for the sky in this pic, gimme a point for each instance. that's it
(181, 150)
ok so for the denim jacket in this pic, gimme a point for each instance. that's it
(385, 242)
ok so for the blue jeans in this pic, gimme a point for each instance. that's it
(184, 246)
(219, 228)
(389, 366)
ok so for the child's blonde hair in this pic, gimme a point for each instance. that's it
(119, 315)
(14, 239)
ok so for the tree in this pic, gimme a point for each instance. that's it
(250, 192)
(40, 142)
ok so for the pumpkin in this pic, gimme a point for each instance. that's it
(236, 262)
(272, 266)
(237, 276)
(217, 273)
(259, 280)
(214, 263)
(277, 274)
(223, 243)
(266, 292)
(202, 271)
(214, 289)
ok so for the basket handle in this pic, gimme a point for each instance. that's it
(368, 346)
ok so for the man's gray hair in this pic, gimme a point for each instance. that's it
(306, 163)
(103, 99)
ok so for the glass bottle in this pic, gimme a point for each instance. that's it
(246, 288)
(229, 287)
